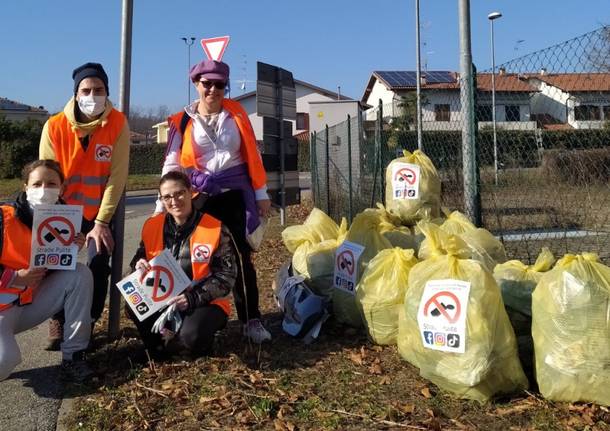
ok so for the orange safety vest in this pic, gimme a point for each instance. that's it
(249, 149)
(203, 242)
(15, 250)
(86, 172)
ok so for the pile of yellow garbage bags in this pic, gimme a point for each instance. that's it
(428, 280)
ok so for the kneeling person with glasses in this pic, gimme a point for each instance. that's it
(203, 307)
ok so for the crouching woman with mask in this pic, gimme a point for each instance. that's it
(29, 296)
(203, 247)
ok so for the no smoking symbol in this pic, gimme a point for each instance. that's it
(407, 175)
(345, 261)
(162, 282)
(55, 228)
(201, 252)
(445, 304)
(103, 152)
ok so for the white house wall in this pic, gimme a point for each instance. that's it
(549, 100)
(379, 91)
(331, 113)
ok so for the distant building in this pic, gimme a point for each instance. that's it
(305, 94)
(16, 111)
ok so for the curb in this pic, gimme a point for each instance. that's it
(138, 193)
(63, 414)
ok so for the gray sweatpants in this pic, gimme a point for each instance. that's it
(68, 290)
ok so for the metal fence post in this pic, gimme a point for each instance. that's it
(327, 172)
(312, 163)
(472, 196)
(377, 154)
(349, 167)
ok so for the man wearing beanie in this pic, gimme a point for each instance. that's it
(90, 140)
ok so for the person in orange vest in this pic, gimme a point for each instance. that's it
(29, 296)
(90, 141)
(205, 250)
(213, 142)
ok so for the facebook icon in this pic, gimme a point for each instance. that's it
(39, 259)
(428, 337)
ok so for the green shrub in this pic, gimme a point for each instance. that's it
(579, 167)
(146, 158)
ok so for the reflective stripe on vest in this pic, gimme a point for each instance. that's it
(205, 236)
(15, 252)
(86, 172)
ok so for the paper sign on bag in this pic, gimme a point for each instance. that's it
(442, 315)
(347, 258)
(54, 228)
(146, 293)
(405, 181)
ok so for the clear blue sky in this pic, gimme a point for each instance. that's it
(324, 42)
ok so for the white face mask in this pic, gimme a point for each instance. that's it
(42, 195)
(92, 105)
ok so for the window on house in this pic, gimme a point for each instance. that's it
(302, 121)
(512, 113)
(484, 113)
(587, 113)
(606, 110)
(442, 112)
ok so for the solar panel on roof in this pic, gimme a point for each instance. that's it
(407, 78)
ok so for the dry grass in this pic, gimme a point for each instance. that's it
(341, 382)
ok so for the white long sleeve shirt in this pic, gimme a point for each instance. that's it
(213, 155)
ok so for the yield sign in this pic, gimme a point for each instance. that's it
(56, 228)
(162, 282)
(444, 303)
(406, 174)
(345, 262)
(215, 47)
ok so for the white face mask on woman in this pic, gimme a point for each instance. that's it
(42, 195)
(92, 106)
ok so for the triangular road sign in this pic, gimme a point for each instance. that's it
(215, 47)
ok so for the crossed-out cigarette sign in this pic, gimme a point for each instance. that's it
(345, 262)
(407, 175)
(445, 304)
(56, 228)
(161, 280)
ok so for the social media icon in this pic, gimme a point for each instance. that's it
(428, 337)
(40, 259)
(53, 259)
(135, 298)
(128, 288)
(142, 308)
(439, 339)
(66, 259)
(453, 340)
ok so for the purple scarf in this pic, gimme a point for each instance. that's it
(235, 178)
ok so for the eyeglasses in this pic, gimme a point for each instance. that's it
(220, 85)
(178, 196)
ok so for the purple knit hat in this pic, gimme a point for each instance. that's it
(210, 70)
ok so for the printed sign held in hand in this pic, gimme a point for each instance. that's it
(148, 292)
(53, 231)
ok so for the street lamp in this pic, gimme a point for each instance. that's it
(189, 42)
(492, 17)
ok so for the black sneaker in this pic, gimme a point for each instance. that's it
(76, 369)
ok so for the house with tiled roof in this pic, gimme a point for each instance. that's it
(572, 100)
(441, 105)
(16, 111)
(523, 101)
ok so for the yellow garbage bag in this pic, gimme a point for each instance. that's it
(518, 280)
(390, 226)
(321, 263)
(300, 239)
(489, 363)
(571, 330)
(381, 292)
(364, 231)
(413, 188)
(484, 247)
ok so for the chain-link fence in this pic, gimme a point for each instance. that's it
(543, 158)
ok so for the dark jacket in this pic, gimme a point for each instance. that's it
(223, 264)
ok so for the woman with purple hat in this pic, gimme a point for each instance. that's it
(213, 142)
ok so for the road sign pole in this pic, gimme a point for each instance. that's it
(280, 116)
(114, 306)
